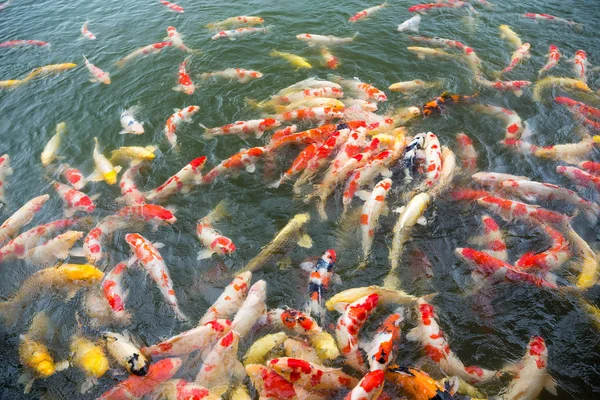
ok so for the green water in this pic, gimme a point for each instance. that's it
(488, 335)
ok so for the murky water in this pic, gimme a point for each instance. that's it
(488, 334)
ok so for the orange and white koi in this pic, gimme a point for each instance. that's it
(142, 51)
(548, 17)
(255, 126)
(514, 124)
(294, 321)
(73, 176)
(503, 86)
(184, 82)
(327, 92)
(580, 64)
(591, 167)
(5, 170)
(230, 301)
(531, 373)
(582, 108)
(321, 277)
(221, 365)
(321, 40)
(311, 376)
(236, 21)
(244, 159)
(364, 104)
(434, 342)
(94, 241)
(54, 250)
(492, 239)
(309, 83)
(370, 386)
(85, 32)
(152, 214)
(182, 181)
(367, 12)
(176, 389)
(251, 309)
(579, 177)
(377, 165)
(494, 179)
(466, 152)
(310, 114)
(11, 226)
(240, 74)
(176, 39)
(115, 293)
(381, 350)
(74, 200)
(511, 210)
(349, 325)
(550, 259)
(553, 58)
(329, 60)
(177, 119)
(372, 209)
(569, 152)
(310, 136)
(269, 384)
(360, 89)
(146, 253)
(212, 239)
(97, 74)
(202, 338)
(233, 34)
(130, 194)
(14, 43)
(172, 6)
(299, 164)
(521, 54)
(136, 387)
(424, 8)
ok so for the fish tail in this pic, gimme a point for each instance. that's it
(321, 209)
(219, 212)
(274, 53)
(211, 26)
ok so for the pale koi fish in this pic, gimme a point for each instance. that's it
(423, 52)
(142, 51)
(326, 92)
(360, 89)
(521, 54)
(511, 36)
(413, 86)
(255, 126)
(104, 171)
(11, 226)
(172, 6)
(239, 74)
(569, 152)
(329, 60)
(553, 58)
(183, 181)
(177, 119)
(221, 365)
(230, 301)
(235, 33)
(5, 170)
(311, 114)
(321, 40)
(492, 239)
(85, 32)
(372, 209)
(579, 177)
(212, 239)
(511, 210)
(513, 123)
(126, 353)
(94, 241)
(514, 86)
(54, 250)
(51, 148)
(548, 17)
(15, 43)
(412, 24)
(424, 8)
(466, 152)
(97, 74)
(580, 64)
(129, 123)
(236, 21)
(367, 12)
(176, 39)
(253, 307)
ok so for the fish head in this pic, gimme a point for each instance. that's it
(198, 163)
(137, 364)
(189, 89)
(268, 123)
(110, 177)
(45, 368)
(552, 48)
(290, 367)
(95, 362)
(372, 383)
(581, 54)
(223, 245)
(134, 240)
(294, 318)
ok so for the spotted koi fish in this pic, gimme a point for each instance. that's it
(181, 389)
(466, 152)
(222, 365)
(15, 43)
(372, 209)
(580, 64)
(550, 259)
(74, 200)
(177, 119)
(85, 32)
(97, 74)
(11, 226)
(369, 387)
(433, 160)
(581, 178)
(182, 181)
(568, 152)
(240, 74)
(269, 384)
(93, 243)
(360, 89)
(582, 108)
(503, 86)
(235, 33)
(424, 8)
(438, 104)
(521, 54)
(299, 164)
(382, 348)
(130, 194)
(439, 42)
(591, 167)
(321, 277)
(143, 51)
(327, 92)
(212, 239)
(184, 82)
(548, 17)
(54, 250)
(115, 293)
(236, 21)
(349, 325)
(172, 6)
(311, 376)
(434, 342)
(152, 214)
(73, 176)
(494, 179)
(329, 60)
(310, 114)
(255, 126)
(230, 301)
(511, 210)
(244, 159)
(293, 320)
(251, 309)
(176, 39)
(5, 170)
(553, 58)
(366, 13)
(492, 239)
(513, 123)
(146, 253)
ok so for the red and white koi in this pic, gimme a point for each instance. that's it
(152, 214)
(176, 120)
(494, 179)
(73, 176)
(531, 373)
(550, 259)
(5, 170)
(221, 365)
(74, 200)
(97, 74)
(511, 210)
(521, 54)
(15, 43)
(569, 152)
(439, 42)
(360, 89)
(85, 32)
(511, 36)
(381, 350)
(293, 320)
(240, 74)
(309, 83)
(182, 181)
(582, 108)
(435, 344)
(299, 164)
(503, 86)
(253, 126)
(514, 124)
(115, 293)
(212, 239)
(310, 114)
(251, 309)
(579, 177)
(473, 60)
(172, 6)
(369, 387)
(367, 12)
(492, 239)
(176, 39)
(176, 389)
(184, 82)
(349, 325)
(236, 21)
(372, 209)
(146, 253)
(311, 376)
(553, 58)
(424, 8)
(321, 277)
(327, 92)
(591, 167)
(580, 64)
(244, 159)
(202, 338)
(94, 241)
(130, 194)
(230, 301)
(136, 387)
(548, 17)
(54, 250)
(310, 136)
(270, 385)
(321, 40)
(466, 152)
(364, 104)
(143, 51)
(433, 160)
(11, 226)
(233, 34)
(329, 60)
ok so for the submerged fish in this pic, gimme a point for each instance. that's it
(296, 61)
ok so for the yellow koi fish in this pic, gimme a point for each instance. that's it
(296, 61)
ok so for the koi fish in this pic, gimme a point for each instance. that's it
(130, 194)
(212, 239)
(372, 209)
(11, 226)
(73, 176)
(521, 54)
(269, 384)
(511, 210)
(97, 74)
(146, 253)
(566, 83)
(492, 239)
(74, 200)
(553, 58)
(143, 51)
(578, 106)
(183, 181)
(239, 74)
(413, 86)
(410, 215)
(172, 6)
(260, 349)
(37, 72)
(54, 250)
(511, 36)
(494, 179)
(105, 171)
(222, 365)
(466, 152)
(176, 120)
(438, 104)
(364, 104)
(311, 376)
(253, 307)
(230, 300)
(295, 60)
(424, 8)
(256, 126)
(570, 152)
(513, 123)
(93, 242)
(531, 373)
(202, 338)
(412, 24)
(360, 89)
(591, 167)
(381, 350)
(328, 92)
(180, 389)
(294, 321)
(310, 114)
(51, 148)
(126, 354)
(300, 349)
(89, 358)
(129, 123)
(321, 40)
(581, 178)
(548, 17)
(433, 160)
(184, 82)
(435, 344)
(309, 83)
(514, 86)
(416, 383)
(236, 21)
(367, 12)
(134, 155)
(85, 32)
(349, 324)
(235, 33)
(176, 39)
(370, 386)
(580, 64)
(310, 136)
(15, 43)
(115, 293)
(136, 387)
(244, 159)
(153, 214)
(321, 277)
(550, 259)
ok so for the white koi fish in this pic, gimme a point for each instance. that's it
(53, 251)
(5, 170)
(251, 309)
(177, 119)
(239, 74)
(176, 39)
(97, 74)
(85, 32)
(230, 301)
(182, 181)
(10, 227)
(142, 51)
(221, 365)
(235, 33)
(412, 24)
(321, 40)
(212, 239)
(372, 209)
(236, 21)
(553, 58)
(511, 36)
(367, 12)
(255, 126)
(51, 148)
(580, 65)
(129, 123)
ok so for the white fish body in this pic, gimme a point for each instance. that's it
(129, 123)
(411, 24)
(97, 74)
(51, 148)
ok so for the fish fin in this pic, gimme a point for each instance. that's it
(420, 56)
(336, 279)
(251, 168)
(95, 197)
(177, 110)
(305, 241)
(340, 306)
(277, 183)
(399, 210)
(386, 173)
(95, 177)
(123, 132)
(550, 385)
(203, 254)
(414, 334)
(87, 384)
(259, 134)
(118, 169)
(69, 212)
(307, 266)
(27, 379)
(8, 171)
(422, 220)
(77, 252)
(363, 194)
(177, 88)
(158, 245)
(518, 93)
(385, 211)
(94, 80)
